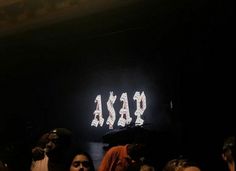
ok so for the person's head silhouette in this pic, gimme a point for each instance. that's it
(228, 153)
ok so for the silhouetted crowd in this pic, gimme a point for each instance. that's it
(56, 151)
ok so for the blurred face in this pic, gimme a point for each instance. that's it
(80, 163)
(192, 168)
(227, 156)
(52, 142)
(136, 151)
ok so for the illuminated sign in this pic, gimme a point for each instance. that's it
(125, 118)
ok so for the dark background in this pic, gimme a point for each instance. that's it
(180, 52)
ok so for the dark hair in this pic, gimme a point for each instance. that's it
(174, 164)
(43, 140)
(64, 135)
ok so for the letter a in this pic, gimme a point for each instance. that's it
(125, 118)
(98, 119)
